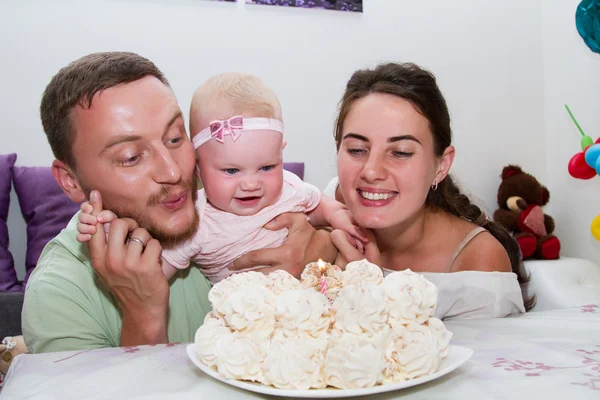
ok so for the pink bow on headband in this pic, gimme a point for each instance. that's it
(233, 126)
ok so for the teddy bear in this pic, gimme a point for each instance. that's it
(520, 198)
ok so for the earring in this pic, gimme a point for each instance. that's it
(434, 186)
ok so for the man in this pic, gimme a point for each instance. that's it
(119, 139)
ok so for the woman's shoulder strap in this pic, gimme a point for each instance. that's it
(470, 236)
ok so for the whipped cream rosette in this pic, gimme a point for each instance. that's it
(213, 330)
(222, 290)
(294, 363)
(359, 271)
(411, 297)
(250, 310)
(441, 334)
(412, 353)
(281, 281)
(240, 358)
(302, 313)
(361, 309)
(353, 362)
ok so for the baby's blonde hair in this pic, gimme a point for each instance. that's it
(246, 94)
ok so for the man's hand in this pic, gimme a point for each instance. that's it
(304, 244)
(128, 263)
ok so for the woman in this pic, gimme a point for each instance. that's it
(393, 138)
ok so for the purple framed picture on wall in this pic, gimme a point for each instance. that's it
(340, 5)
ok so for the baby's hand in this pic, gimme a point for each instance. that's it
(348, 252)
(87, 222)
(343, 220)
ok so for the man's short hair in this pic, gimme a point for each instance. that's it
(77, 83)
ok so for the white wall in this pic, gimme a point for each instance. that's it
(486, 54)
(572, 76)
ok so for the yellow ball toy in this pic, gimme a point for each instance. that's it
(596, 227)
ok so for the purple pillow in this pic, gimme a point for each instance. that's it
(8, 275)
(295, 167)
(45, 208)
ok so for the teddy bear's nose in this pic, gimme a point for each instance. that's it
(522, 204)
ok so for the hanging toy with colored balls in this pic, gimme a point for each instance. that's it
(586, 164)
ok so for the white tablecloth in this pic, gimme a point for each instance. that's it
(540, 355)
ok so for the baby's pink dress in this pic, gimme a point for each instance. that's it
(223, 237)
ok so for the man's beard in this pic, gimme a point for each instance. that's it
(167, 239)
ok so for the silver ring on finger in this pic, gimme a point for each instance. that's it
(140, 241)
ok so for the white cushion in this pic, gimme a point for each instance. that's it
(331, 187)
(562, 283)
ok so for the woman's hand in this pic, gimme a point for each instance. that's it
(348, 252)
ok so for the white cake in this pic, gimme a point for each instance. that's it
(365, 330)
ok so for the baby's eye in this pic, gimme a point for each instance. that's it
(231, 171)
(267, 168)
(175, 140)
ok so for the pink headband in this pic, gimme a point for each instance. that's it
(234, 127)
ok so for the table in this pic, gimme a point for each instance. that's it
(547, 355)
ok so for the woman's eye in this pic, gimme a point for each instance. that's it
(231, 171)
(356, 152)
(402, 154)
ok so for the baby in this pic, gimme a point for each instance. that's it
(237, 131)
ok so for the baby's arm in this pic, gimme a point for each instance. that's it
(335, 214)
(168, 269)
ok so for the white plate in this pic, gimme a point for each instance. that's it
(456, 357)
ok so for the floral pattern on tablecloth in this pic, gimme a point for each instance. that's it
(590, 308)
(551, 354)
(589, 366)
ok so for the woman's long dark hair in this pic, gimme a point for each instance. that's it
(419, 86)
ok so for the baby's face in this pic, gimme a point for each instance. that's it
(244, 176)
